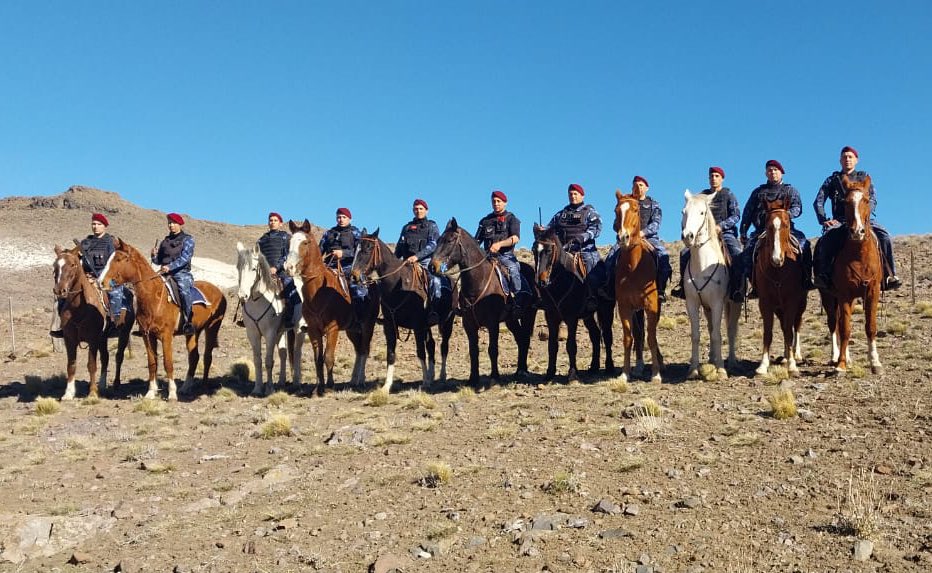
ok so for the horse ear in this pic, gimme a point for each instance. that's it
(687, 194)
(451, 225)
(375, 233)
(117, 243)
(239, 247)
(77, 242)
(292, 226)
(58, 250)
(618, 194)
(306, 226)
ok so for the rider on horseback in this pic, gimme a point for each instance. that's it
(651, 216)
(96, 250)
(416, 244)
(727, 214)
(338, 245)
(174, 256)
(274, 247)
(833, 228)
(578, 225)
(755, 212)
(498, 233)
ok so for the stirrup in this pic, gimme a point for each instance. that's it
(56, 334)
(893, 282)
(678, 291)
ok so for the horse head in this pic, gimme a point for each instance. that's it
(777, 232)
(857, 207)
(299, 234)
(120, 268)
(698, 222)
(245, 271)
(366, 258)
(547, 248)
(627, 224)
(66, 272)
(449, 251)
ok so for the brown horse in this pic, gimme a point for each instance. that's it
(158, 316)
(327, 308)
(778, 278)
(561, 277)
(482, 300)
(83, 319)
(636, 282)
(857, 274)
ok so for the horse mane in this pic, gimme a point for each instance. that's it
(265, 272)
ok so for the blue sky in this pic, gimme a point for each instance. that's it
(226, 110)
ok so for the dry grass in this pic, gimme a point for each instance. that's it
(777, 373)
(278, 399)
(420, 400)
(860, 511)
(159, 468)
(897, 327)
(90, 401)
(225, 394)
(617, 385)
(277, 425)
(46, 407)
(782, 404)
(243, 370)
(437, 474)
(648, 407)
(742, 439)
(377, 398)
(923, 308)
(562, 482)
(149, 407)
(389, 439)
(708, 373)
(856, 371)
(629, 463)
(666, 323)
(465, 393)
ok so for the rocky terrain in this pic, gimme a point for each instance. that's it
(531, 475)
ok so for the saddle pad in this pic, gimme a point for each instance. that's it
(503, 278)
(197, 297)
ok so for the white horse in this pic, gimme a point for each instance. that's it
(262, 304)
(706, 284)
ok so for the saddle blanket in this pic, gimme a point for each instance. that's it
(197, 297)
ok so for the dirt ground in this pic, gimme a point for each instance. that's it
(527, 476)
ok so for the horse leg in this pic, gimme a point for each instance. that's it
(190, 342)
(281, 344)
(330, 350)
(317, 341)
(255, 341)
(391, 340)
(714, 317)
(553, 343)
(71, 351)
(692, 308)
(656, 358)
(472, 336)
(92, 348)
(211, 343)
(296, 343)
(628, 343)
(493, 329)
(870, 328)
(152, 356)
(168, 363)
(732, 315)
(787, 323)
(430, 347)
(830, 306)
(104, 353)
(637, 331)
(572, 324)
(446, 329)
(844, 334)
(606, 314)
(122, 342)
(595, 338)
(767, 319)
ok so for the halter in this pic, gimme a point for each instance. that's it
(376, 259)
(482, 292)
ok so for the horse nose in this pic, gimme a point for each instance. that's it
(687, 236)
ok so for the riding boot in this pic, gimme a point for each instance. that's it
(358, 307)
(807, 269)
(288, 316)
(738, 290)
(111, 331)
(188, 327)
(662, 288)
(678, 291)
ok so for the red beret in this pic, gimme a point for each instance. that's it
(718, 170)
(175, 218)
(639, 178)
(274, 214)
(578, 188)
(498, 194)
(99, 217)
(344, 211)
(847, 148)
(775, 163)
(420, 202)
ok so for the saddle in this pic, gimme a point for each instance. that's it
(503, 275)
(341, 279)
(580, 265)
(416, 282)
(197, 297)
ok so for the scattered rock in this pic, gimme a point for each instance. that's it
(632, 509)
(390, 563)
(797, 460)
(577, 522)
(476, 541)
(350, 435)
(125, 566)
(289, 523)
(643, 569)
(614, 534)
(249, 548)
(863, 549)
(691, 502)
(883, 470)
(201, 505)
(79, 558)
(607, 506)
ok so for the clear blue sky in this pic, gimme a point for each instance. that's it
(226, 110)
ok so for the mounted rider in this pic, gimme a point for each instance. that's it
(727, 214)
(173, 255)
(273, 245)
(755, 213)
(833, 228)
(578, 225)
(96, 250)
(416, 244)
(498, 233)
(338, 246)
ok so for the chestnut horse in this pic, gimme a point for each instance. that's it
(83, 319)
(636, 282)
(778, 278)
(857, 274)
(403, 296)
(327, 308)
(159, 317)
(706, 284)
(561, 277)
(482, 300)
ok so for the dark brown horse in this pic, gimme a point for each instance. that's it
(159, 317)
(84, 319)
(636, 282)
(563, 291)
(857, 274)
(403, 295)
(482, 300)
(327, 308)
(778, 278)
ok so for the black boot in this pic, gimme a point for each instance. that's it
(679, 292)
(288, 316)
(188, 327)
(433, 317)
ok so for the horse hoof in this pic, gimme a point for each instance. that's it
(657, 379)
(722, 374)
(150, 395)
(693, 374)
(877, 369)
(572, 376)
(761, 371)
(173, 397)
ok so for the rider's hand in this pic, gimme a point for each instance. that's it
(829, 224)
(273, 270)
(411, 260)
(163, 270)
(494, 247)
(337, 253)
(744, 240)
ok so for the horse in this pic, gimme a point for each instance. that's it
(327, 308)
(857, 274)
(778, 278)
(563, 292)
(402, 299)
(706, 284)
(84, 319)
(482, 299)
(260, 298)
(159, 317)
(636, 283)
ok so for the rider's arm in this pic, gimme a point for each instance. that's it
(184, 258)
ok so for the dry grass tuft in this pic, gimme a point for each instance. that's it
(708, 373)
(437, 474)
(277, 425)
(744, 439)
(860, 512)
(47, 407)
(897, 327)
(91, 401)
(465, 393)
(389, 439)
(377, 398)
(562, 482)
(666, 323)
(629, 464)
(243, 370)
(856, 371)
(159, 468)
(782, 403)
(777, 373)
(420, 400)
(225, 394)
(648, 407)
(617, 385)
(278, 399)
(923, 308)
(149, 407)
